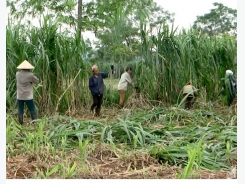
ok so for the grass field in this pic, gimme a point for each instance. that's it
(134, 142)
(153, 136)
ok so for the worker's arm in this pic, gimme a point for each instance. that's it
(129, 80)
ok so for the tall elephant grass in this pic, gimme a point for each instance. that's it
(57, 58)
(170, 60)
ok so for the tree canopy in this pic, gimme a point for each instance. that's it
(220, 20)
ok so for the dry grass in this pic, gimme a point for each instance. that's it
(105, 163)
(137, 101)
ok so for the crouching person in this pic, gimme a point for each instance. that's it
(25, 80)
(190, 93)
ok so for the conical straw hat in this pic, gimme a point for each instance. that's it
(25, 65)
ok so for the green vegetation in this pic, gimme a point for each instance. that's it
(190, 141)
(153, 137)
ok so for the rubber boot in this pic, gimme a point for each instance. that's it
(20, 118)
(33, 117)
(92, 110)
(189, 105)
(186, 105)
(97, 111)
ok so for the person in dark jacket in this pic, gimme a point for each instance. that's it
(96, 86)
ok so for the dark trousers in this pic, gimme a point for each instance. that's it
(231, 99)
(189, 101)
(97, 101)
(30, 106)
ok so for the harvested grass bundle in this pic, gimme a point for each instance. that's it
(138, 100)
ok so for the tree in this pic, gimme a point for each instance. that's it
(159, 17)
(62, 10)
(220, 20)
(116, 23)
(79, 18)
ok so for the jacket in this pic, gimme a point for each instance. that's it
(25, 80)
(190, 89)
(96, 85)
(233, 84)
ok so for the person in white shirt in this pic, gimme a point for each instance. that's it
(125, 80)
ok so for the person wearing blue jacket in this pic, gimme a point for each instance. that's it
(96, 86)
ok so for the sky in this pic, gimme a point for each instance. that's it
(186, 11)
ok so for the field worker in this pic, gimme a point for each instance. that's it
(229, 87)
(191, 92)
(125, 80)
(112, 70)
(96, 86)
(25, 80)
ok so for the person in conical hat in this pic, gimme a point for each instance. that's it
(25, 80)
(189, 92)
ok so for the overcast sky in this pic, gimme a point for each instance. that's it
(186, 11)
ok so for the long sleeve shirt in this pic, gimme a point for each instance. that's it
(233, 84)
(124, 82)
(25, 81)
(190, 89)
(96, 84)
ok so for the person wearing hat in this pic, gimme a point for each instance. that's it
(123, 84)
(189, 92)
(229, 88)
(96, 86)
(25, 80)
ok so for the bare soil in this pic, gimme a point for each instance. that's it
(102, 163)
